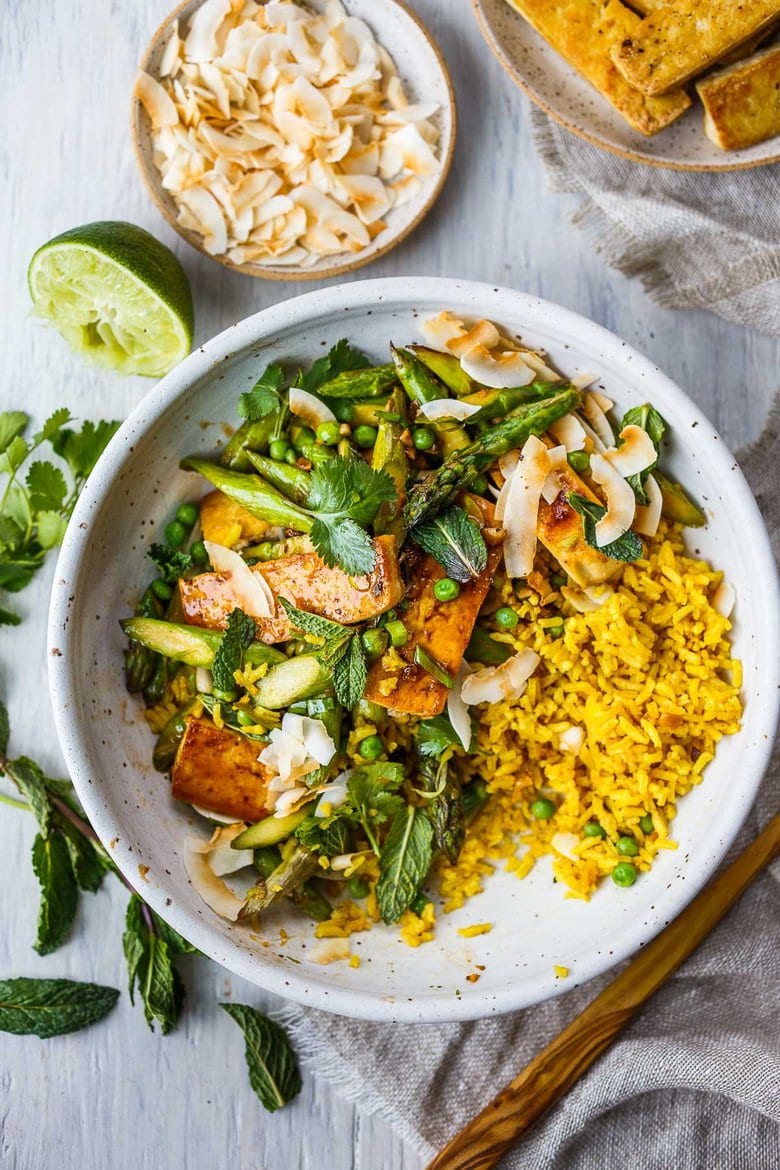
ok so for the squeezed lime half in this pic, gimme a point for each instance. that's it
(117, 295)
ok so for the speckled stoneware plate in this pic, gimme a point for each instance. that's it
(549, 81)
(103, 568)
(426, 79)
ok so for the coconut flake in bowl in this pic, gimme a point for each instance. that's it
(281, 139)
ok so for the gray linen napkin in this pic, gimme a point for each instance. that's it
(693, 1082)
(696, 240)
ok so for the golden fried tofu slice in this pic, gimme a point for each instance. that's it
(583, 32)
(225, 522)
(219, 770)
(443, 628)
(742, 103)
(685, 37)
(306, 581)
(560, 530)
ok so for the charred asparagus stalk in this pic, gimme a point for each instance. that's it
(448, 368)
(253, 493)
(433, 494)
(389, 455)
(371, 382)
(421, 386)
(292, 481)
(288, 876)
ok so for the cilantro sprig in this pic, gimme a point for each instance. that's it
(264, 397)
(37, 498)
(338, 360)
(346, 495)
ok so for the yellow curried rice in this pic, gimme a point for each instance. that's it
(649, 679)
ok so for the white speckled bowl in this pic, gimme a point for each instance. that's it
(561, 92)
(103, 568)
(424, 73)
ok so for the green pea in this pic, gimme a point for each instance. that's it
(358, 887)
(646, 824)
(364, 436)
(278, 449)
(198, 553)
(419, 904)
(480, 485)
(374, 642)
(398, 633)
(291, 457)
(187, 514)
(557, 580)
(162, 590)
(578, 460)
(329, 433)
(446, 589)
(506, 618)
(423, 438)
(542, 809)
(594, 829)
(371, 748)
(555, 631)
(624, 874)
(627, 846)
(175, 533)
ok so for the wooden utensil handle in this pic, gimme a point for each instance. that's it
(486, 1139)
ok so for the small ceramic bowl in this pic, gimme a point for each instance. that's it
(103, 568)
(558, 89)
(426, 79)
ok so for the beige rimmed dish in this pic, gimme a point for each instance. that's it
(426, 78)
(553, 85)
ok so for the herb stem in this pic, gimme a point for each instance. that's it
(13, 803)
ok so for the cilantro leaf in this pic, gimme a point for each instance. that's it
(17, 570)
(239, 634)
(47, 487)
(345, 497)
(59, 891)
(340, 358)
(454, 540)
(12, 425)
(373, 797)
(312, 623)
(273, 1069)
(404, 862)
(54, 423)
(350, 673)
(171, 563)
(323, 835)
(435, 735)
(263, 399)
(627, 547)
(14, 455)
(82, 449)
(50, 528)
(344, 543)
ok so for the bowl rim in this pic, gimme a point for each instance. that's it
(510, 67)
(139, 132)
(62, 660)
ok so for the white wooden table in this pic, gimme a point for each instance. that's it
(117, 1096)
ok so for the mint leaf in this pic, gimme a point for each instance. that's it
(5, 729)
(312, 623)
(454, 540)
(150, 967)
(12, 425)
(59, 892)
(239, 634)
(9, 618)
(47, 487)
(263, 399)
(627, 547)
(648, 418)
(171, 563)
(350, 673)
(31, 782)
(89, 865)
(52, 1007)
(435, 735)
(338, 360)
(273, 1069)
(323, 835)
(404, 862)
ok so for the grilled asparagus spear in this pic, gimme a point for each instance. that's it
(433, 494)
(288, 876)
(253, 493)
(389, 455)
(422, 386)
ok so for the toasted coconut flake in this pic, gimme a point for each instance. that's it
(457, 710)
(310, 408)
(620, 499)
(439, 331)
(538, 365)
(492, 684)
(482, 333)
(598, 420)
(569, 431)
(572, 739)
(250, 589)
(448, 408)
(330, 950)
(552, 485)
(206, 212)
(565, 843)
(200, 44)
(578, 600)
(156, 101)
(333, 794)
(582, 381)
(222, 859)
(724, 599)
(601, 400)
(204, 683)
(521, 508)
(292, 800)
(497, 369)
(214, 892)
(635, 454)
(648, 516)
(171, 58)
